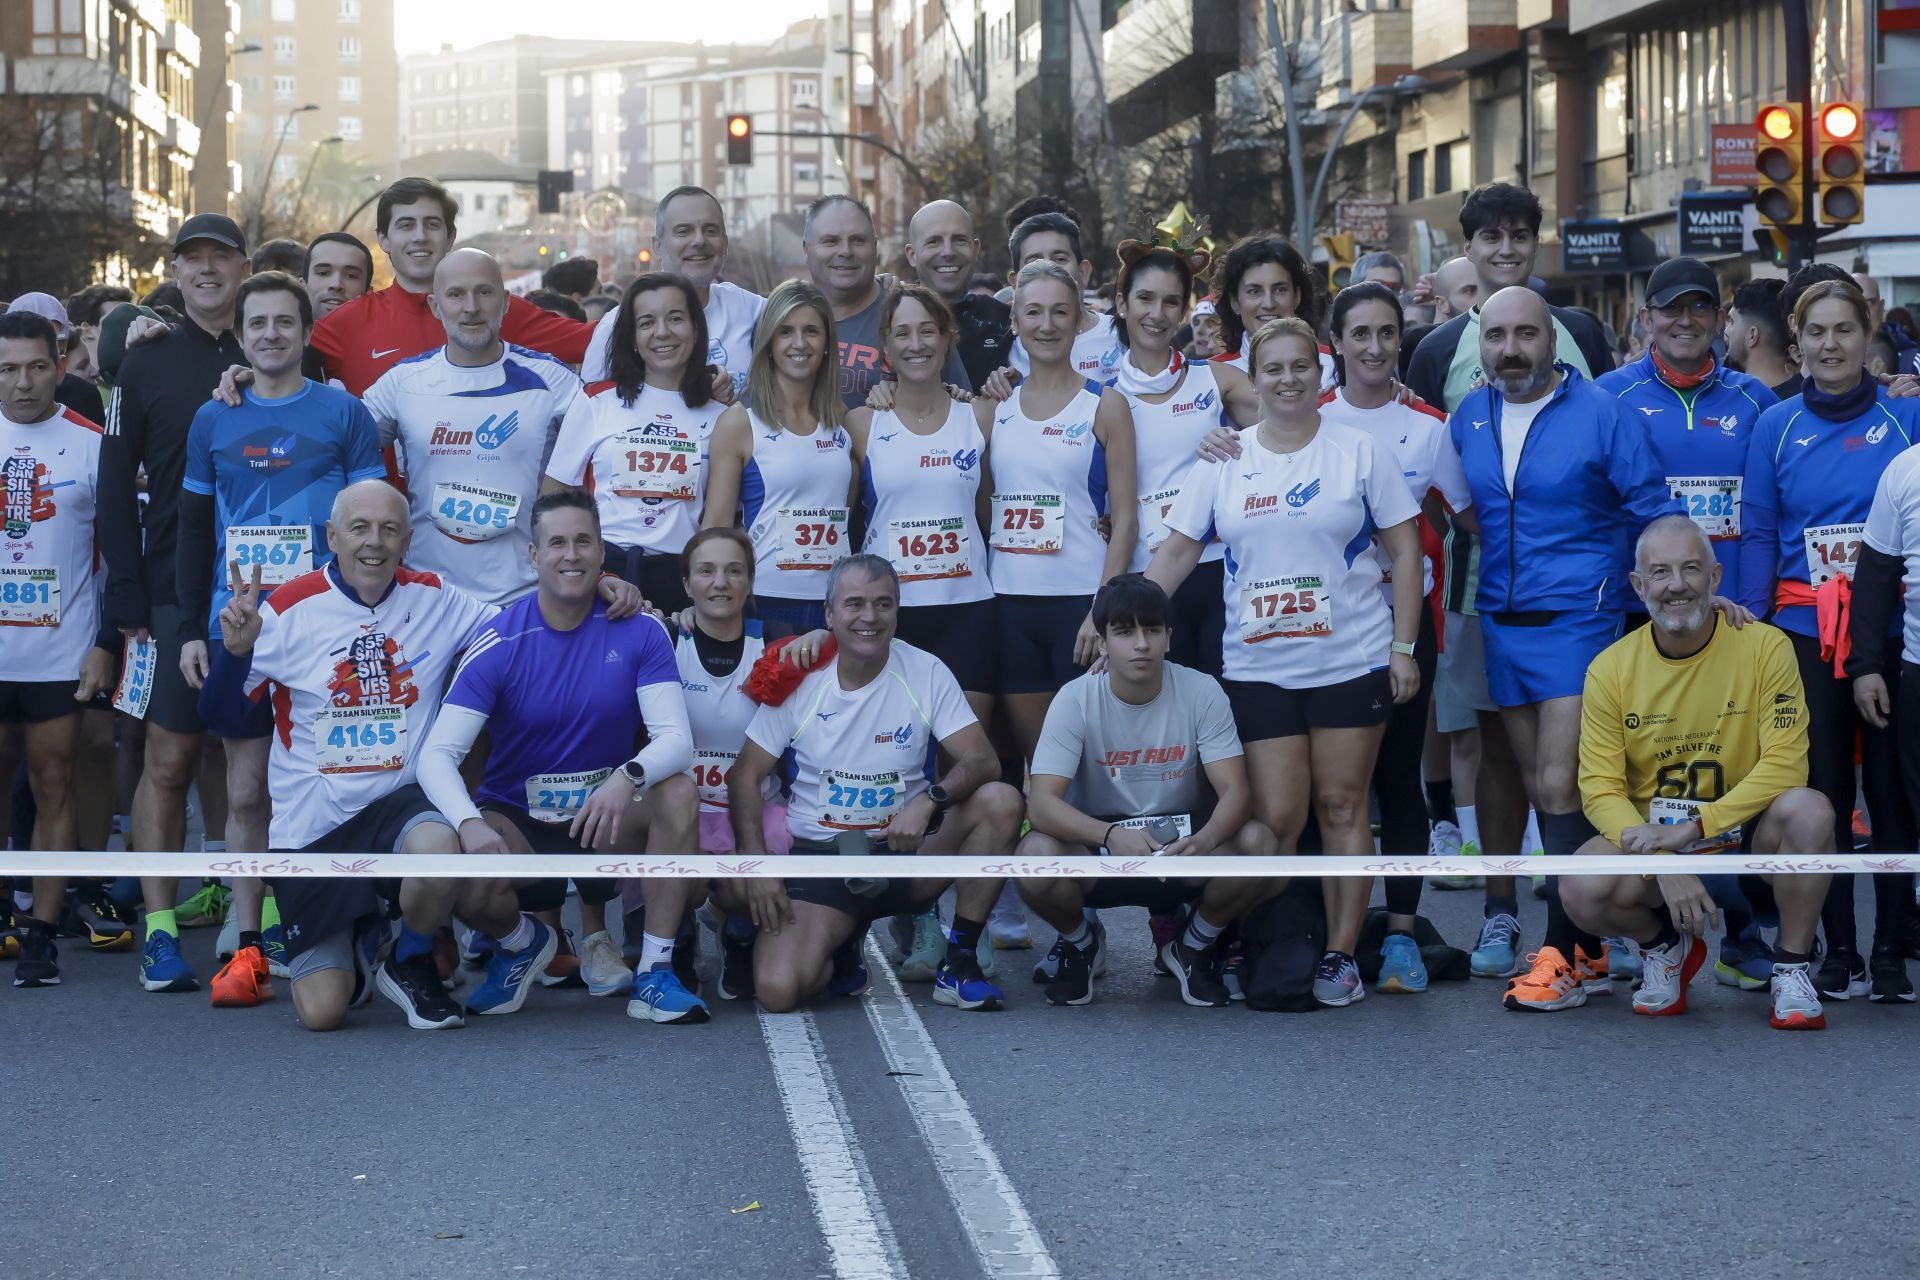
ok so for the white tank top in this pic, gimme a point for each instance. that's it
(793, 501)
(1049, 492)
(719, 714)
(1166, 442)
(919, 496)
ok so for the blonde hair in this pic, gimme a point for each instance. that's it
(1282, 327)
(761, 379)
(1842, 290)
(1045, 269)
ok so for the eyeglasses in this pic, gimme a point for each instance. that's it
(1693, 304)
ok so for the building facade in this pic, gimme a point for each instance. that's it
(491, 98)
(323, 70)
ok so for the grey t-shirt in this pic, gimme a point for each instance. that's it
(1134, 762)
(862, 364)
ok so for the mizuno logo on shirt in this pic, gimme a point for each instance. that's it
(1479, 423)
(826, 715)
(1649, 412)
(890, 435)
(1805, 440)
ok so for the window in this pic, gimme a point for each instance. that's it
(806, 171)
(350, 129)
(1417, 176)
(349, 10)
(285, 49)
(283, 11)
(285, 88)
(289, 126)
(59, 27)
(1444, 173)
(350, 50)
(349, 88)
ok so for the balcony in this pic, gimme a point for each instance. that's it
(1156, 46)
(1363, 50)
(182, 135)
(179, 40)
(1458, 35)
(151, 12)
(1542, 13)
(150, 109)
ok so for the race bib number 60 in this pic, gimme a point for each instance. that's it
(1028, 523)
(1831, 550)
(859, 801)
(1277, 607)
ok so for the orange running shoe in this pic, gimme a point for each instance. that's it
(1596, 974)
(243, 981)
(1550, 984)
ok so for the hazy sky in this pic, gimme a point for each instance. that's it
(424, 25)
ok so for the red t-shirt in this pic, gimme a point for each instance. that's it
(366, 337)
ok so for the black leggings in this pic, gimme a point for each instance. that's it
(1833, 727)
(1396, 776)
(1199, 618)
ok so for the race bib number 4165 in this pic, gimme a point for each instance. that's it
(360, 739)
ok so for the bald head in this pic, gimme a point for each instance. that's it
(1458, 285)
(1672, 539)
(470, 299)
(466, 266)
(1875, 303)
(1517, 343)
(371, 499)
(369, 531)
(942, 248)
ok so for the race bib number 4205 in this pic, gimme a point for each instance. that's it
(360, 739)
(283, 552)
(1028, 523)
(810, 537)
(1831, 550)
(557, 797)
(1276, 607)
(468, 513)
(29, 597)
(859, 801)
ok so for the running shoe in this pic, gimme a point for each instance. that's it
(511, 974)
(926, 950)
(1746, 961)
(369, 938)
(1796, 1005)
(273, 942)
(1664, 975)
(1401, 966)
(1200, 984)
(602, 967)
(1890, 984)
(736, 964)
(1231, 972)
(1497, 954)
(416, 987)
(92, 915)
(1336, 982)
(564, 969)
(1841, 976)
(1164, 930)
(659, 996)
(205, 908)
(241, 982)
(1044, 971)
(1623, 958)
(960, 983)
(850, 977)
(1007, 923)
(1073, 980)
(163, 968)
(1596, 974)
(228, 942)
(1549, 984)
(39, 962)
(1445, 842)
(475, 947)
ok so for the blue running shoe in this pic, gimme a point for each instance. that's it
(274, 943)
(960, 983)
(511, 974)
(1497, 954)
(1401, 965)
(1745, 962)
(163, 968)
(659, 996)
(850, 977)
(1623, 960)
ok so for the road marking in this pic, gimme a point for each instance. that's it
(996, 1222)
(845, 1201)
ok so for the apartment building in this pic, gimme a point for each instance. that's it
(491, 98)
(323, 69)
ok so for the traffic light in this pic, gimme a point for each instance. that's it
(1840, 165)
(1780, 157)
(644, 258)
(739, 139)
(1340, 254)
(552, 183)
(1772, 243)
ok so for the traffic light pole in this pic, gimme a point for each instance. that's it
(1799, 49)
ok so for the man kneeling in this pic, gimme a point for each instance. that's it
(1126, 761)
(1693, 739)
(861, 732)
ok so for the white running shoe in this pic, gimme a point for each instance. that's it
(1796, 1005)
(1664, 975)
(602, 966)
(229, 940)
(1008, 922)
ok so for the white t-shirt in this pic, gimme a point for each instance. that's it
(1515, 421)
(1416, 435)
(859, 755)
(645, 462)
(1302, 588)
(1127, 761)
(732, 312)
(358, 690)
(718, 713)
(49, 580)
(473, 443)
(1893, 529)
(1097, 352)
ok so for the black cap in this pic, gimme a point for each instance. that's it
(217, 227)
(1677, 277)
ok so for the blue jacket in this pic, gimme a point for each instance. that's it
(1700, 439)
(1587, 483)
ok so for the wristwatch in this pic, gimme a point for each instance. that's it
(637, 775)
(1402, 647)
(941, 800)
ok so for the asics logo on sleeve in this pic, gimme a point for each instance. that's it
(1301, 494)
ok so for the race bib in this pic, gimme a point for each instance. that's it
(1277, 607)
(926, 549)
(557, 797)
(1712, 502)
(711, 769)
(468, 513)
(656, 467)
(136, 678)
(1182, 822)
(1671, 813)
(810, 537)
(283, 552)
(1831, 550)
(859, 801)
(360, 739)
(1153, 517)
(29, 597)
(1028, 523)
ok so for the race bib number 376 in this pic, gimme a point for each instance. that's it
(811, 537)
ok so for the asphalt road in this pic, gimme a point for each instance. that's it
(1425, 1136)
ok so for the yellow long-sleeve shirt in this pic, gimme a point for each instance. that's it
(1725, 729)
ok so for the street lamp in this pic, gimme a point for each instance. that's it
(300, 200)
(1405, 87)
(266, 181)
(220, 90)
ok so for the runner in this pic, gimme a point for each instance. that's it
(564, 692)
(356, 653)
(941, 246)
(1555, 524)
(1264, 278)
(473, 421)
(159, 388)
(690, 240)
(785, 464)
(1693, 740)
(1063, 456)
(1814, 464)
(1129, 764)
(1757, 340)
(55, 654)
(861, 733)
(1314, 656)
(338, 269)
(639, 441)
(260, 482)
(1055, 238)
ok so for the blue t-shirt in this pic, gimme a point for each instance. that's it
(559, 702)
(278, 464)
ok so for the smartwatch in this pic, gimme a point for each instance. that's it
(941, 800)
(637, 775)
(1402, 647)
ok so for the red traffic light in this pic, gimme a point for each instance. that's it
(740, 139)
(1778, 123)
(739, 126)
(1840, 122)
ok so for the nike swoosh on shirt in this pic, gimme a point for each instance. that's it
(381, 355)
